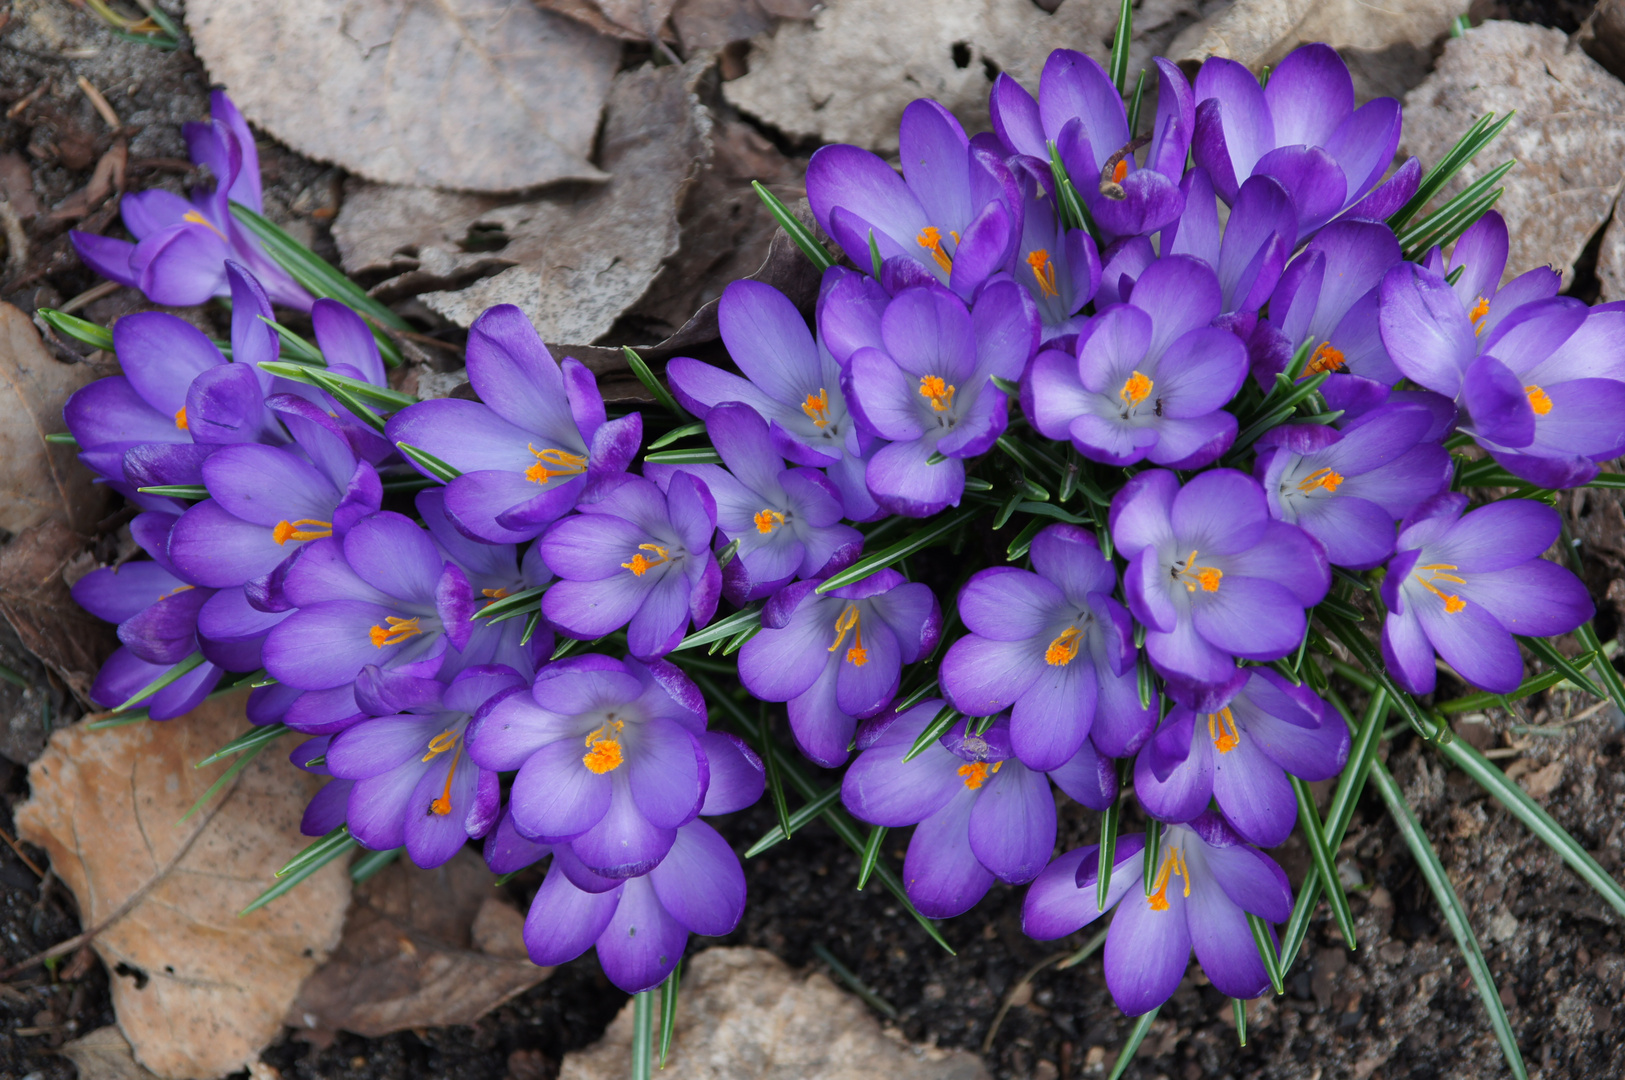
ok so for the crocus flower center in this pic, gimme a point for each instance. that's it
(935, 390)
(1436, 572)
(1044, 271)
(641, 564)
(1539, 400)
(442, 806)
(397, 631)
(603, 749)
(1173, 862)
(768, 520)
(930, 239)
(1326, 358)
(977, 772)
(303, 529)
(1320, 478)
(198, 219)
(180, 419)
(1191, 575)
(442, 742)
(1064, 649)
(1480, 309)
(1135, 390)
(1221, 728)
(551, 463)
(495, 594)
(817, 408)
(848, 620)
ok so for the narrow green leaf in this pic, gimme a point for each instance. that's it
(976, 483)
(1424, 234)
(871, 564)
(532, 621)
(346, 397)
(410, 483)
(1358, 644)
(293, 344)
(876, 264)
(668, 1009)
(1088, 949)
(937, 458)
(196, 492)
(1106, 858)
(1485, 700)
(1266, 952)
(180, 669)
(643, 1020)
(1324, 859)
(1118, 69)
(727, 554)
(81, 330)
(801, 817)
(62, 438)
(775, 785)
(428, 463)
(1335, 607)
(1612, 481)
(1427, 860)
(705, 456)
(1483, 131)
(383, 395)
(1152, 862)
(318, 848)
(1050, 510)
(287, 884)
(1008, 387)
(677, 434)
(871, 854)
(652, 384)
(1601, 663)
(1134, 105)
(723, 628)
(1273, 419)
(737, 642)
(1070, 207)
(511, 604)
(246, 741)
(372, 862)
(1006, 511)
(1143, 679)
(1024, 540)
(225, 778)
(1136, 1036)
(1239, 1008)
(916, 696)
(805, 240)
(1034, 491)
(1450, 228)
(1026, 456)
(1544, 649)
(1455, 275)
(946, 718)
(855, 984)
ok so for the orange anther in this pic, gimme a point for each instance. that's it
(1064, 649)
(303, 529)
(180, 418)
(817, 408)
(1326, 358)
(1044, 271)
(930, 238)
(398, 631)
(1135, 390)
(1539, 400)
(936, 390)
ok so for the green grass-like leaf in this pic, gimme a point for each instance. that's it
(871, 854)
(946, 718)
(870, 564)
(723, 628)
(805, 240)
(677, 434)
(643, 1025)
(652, 384)
(183, 667)
(1322, 855)
(195, 492)
(1110, 822)
(701, 456)
(668, 1009)
(1266, 952)
(247, 741)
(1480, 135)
(428, 463)
(1136, 1036)
(81, 330)
(1118, 69)
(513, 604)
(292, 880)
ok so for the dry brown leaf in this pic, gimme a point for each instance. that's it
(603, 17)
(478, 95)
(206, 989)
(35, 600)
(715, 24)
(421, 948)
(104, 1054)
(42, 480)
(743, 1014)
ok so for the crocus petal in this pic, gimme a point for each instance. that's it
(555, 796)
(564, 921)
(1012, 824)
(1147, 950)
(941, 872)
(700, 882)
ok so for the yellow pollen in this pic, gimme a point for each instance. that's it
(1221, 728)
(440, 744)
(1120, 171)
(564, 462)
(977, 772)
(442, 806)
(1539, 400)
(180, 419)
(1452, 603)
(1480, 309)
(641, 565)
(848, 620)
(817, 408)
(1326, 358)
(768, 520)
(495, 594)
(399, 630)
(930, 239)
(1135, 390)
(303, 529)
(1321, 478)
(603, 751)
(937, 391)
(1064, 649)
(198, 219)
(175, 591)
(1208, 577)
(1173, 862)
(1043, 271)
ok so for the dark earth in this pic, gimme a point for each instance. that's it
(1402, 1005)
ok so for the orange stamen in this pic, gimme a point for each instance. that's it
(1208, 577)
(1064, 649)
(1539, 400)
(442, 806)
(1173, 862)
(936, 390)
(977, 772)
(1043, 271)
(1480, 309)
(180, 419)
(198, 219)
(603, 750)
(495, 594)
(303, 529)
(1135, 390)
(399, 630)
(848, 620)
(930, 239)
(1326, 358)
(1452, 603)
(568, 464)
(817, 408)
(1321, 478)
(440, 744)
(641, 565)
(1221, 728)
(175, 590)
(1120, 171)
(768, 520)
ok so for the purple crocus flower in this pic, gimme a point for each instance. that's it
(956, 210)
(1330, 291)
(181, 248)
(1240, 756)
(1059, 266)
(1303, 130)
(640, 924)
(348, 345)
(637, 558)
(415, 784)
(1251, 250)
(1211, 575)
(786, 521)
(1481, 253)
(1348, 488)
(1208, 881)
(1463, 584)
(837, 658)
(1081, 114)
(610, 758)
(928, 390)
(981, 814)
(157, 612)
(791, 381)
(529, 452)
(1055, 649)
(1543, 391)
(1151, 377)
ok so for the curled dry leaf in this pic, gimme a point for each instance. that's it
(104, 1054)
(478, 95)
(715, 24)
(744, 1013)
(199, 990)
(421, 948)
(42, 481)
(631, 20)
(35, 569)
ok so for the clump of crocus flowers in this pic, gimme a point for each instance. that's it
(1189, 438)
